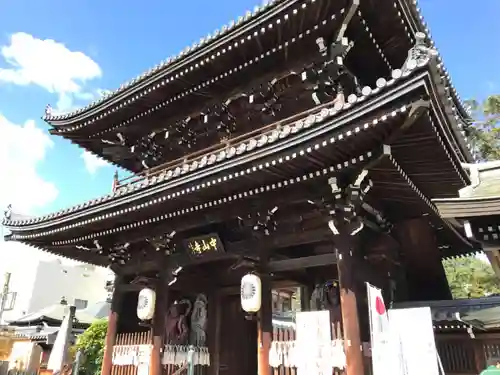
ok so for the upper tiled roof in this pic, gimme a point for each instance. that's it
(411, 7)
(189, 50)
(423, 26)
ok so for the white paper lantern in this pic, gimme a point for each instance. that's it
(146, 304)
(251, 293)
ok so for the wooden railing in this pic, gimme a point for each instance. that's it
(126, 339)
(136, 338)
(461, 355)
(289, 334)
(457, 356)
(283, 334)
(144, 338)
(233, 142)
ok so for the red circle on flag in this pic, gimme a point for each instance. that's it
(379, 306)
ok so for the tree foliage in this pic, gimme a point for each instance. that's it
(484, 128)
(91, 343)
(470, 277)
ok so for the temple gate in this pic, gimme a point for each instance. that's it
(301, 144)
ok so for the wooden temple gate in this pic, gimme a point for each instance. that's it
(303, 144)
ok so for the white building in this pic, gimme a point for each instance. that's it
(44, 283)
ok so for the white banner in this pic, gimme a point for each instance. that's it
(386, 351)
(416, 336)
(314, 338)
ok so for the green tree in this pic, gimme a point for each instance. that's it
(484, 128)
(470, 277)
(91, 343)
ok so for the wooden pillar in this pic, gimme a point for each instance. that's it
(214, 331)
(424, 270)
(158, 328)
(111, 332)
(479, 357)
(305, 297)
(264, 324)
(348, 304)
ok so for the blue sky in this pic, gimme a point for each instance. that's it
(119, 40)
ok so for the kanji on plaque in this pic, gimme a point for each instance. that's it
(201, 245)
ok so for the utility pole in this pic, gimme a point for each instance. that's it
(5, 294)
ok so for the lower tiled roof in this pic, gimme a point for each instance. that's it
(40, 333)
(451, 313)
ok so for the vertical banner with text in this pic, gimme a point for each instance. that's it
(386, 351)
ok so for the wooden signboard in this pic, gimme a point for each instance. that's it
(204, 245)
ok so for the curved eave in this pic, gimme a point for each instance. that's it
(456, 138)
(81, 256)
(45, 321)
(411, 16)
(441, 93)
(190, 54)
(348, 125)
(391, 186)
(417, 23)
(467, 207)
(130, 167)
(334, 119)
(383, 168)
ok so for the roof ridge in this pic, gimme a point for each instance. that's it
(195, 46)
(421, 20)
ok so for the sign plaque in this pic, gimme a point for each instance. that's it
(203, 245)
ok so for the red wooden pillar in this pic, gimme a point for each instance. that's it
(424, 270)
(264, 327)
(112, 328)
(158, 328)
(348, 304)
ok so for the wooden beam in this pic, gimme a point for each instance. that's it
(275, 284)
(234, 249)
(129, 288)
(278, 242)
(303, 262)
(283, 198)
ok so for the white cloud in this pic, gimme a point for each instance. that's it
(50, 65)
(92, 162)
(22, 149)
